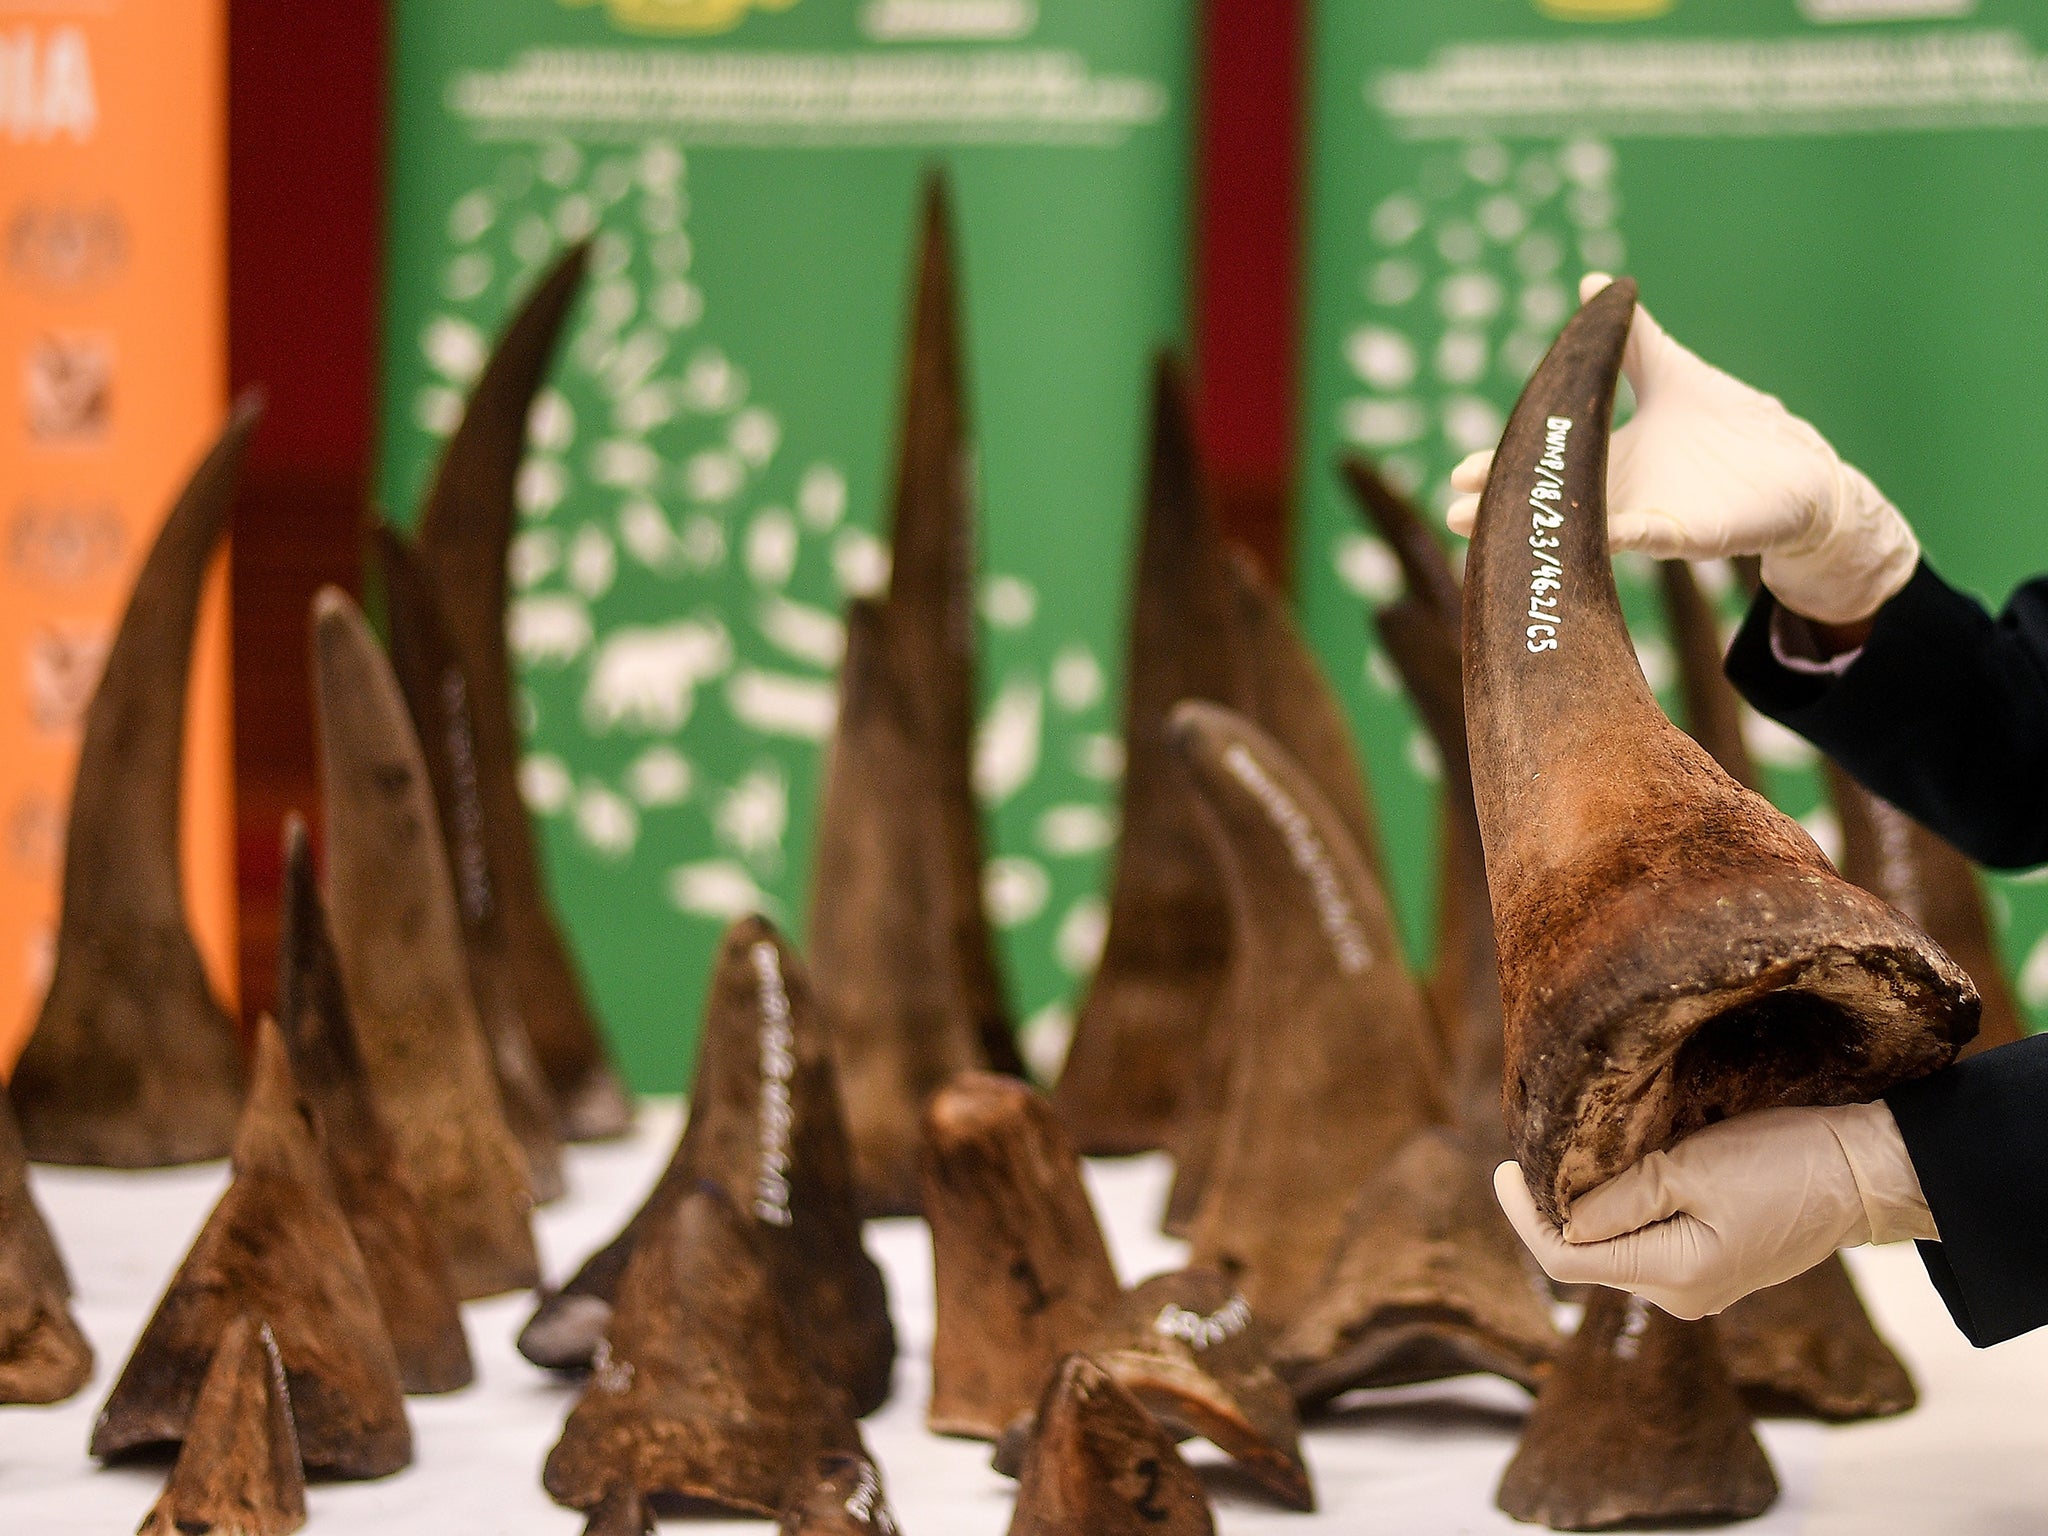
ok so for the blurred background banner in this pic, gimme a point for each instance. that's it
(112, 346)
(1844, 202)
(710, 467)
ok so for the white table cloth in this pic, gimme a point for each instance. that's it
(1421, 1461)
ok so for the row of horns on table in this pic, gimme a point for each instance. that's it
(1632, 943)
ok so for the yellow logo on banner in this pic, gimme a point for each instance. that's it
(1604, 10)
(683, 15)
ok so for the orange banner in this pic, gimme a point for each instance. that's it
(113, 352)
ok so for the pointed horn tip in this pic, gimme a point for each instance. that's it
(248, 407)
(334, 610)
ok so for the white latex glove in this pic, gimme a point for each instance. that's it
(1708, 468)
(1742, 1205)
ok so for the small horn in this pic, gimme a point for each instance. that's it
(900, 1016)
(277, 1247)
(133, 1062)
(1809, 1341)
(400, 946)
(407, 1265)
(1673, 949)
(238, 1472)
(1637, 1425)
(765, 1122)
(1166, 951)
(1188, 1348)
(437, 696)
(463, 540)
(931, 603)
(1021, 1272)
(703, 1390)
(1336, 1056)
(1101, 1464)
(1428, 1282)
(44, 1358)
(842, 1496)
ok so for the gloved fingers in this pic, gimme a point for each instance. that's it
(1463, 515)
(1651, 354)
(1472, 471)
(1656, 533)
(1635, 1198)
(1616, 1264)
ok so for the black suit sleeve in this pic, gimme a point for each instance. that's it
(1944, 714)
(1976, 1136)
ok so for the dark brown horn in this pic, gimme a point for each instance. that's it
(408, 1267)
(1808, 1342)
(931, 602)
(44, 1358)
(1673, 949)
(1188, 1348)
(703, 1390)
(133, 1062)
(400, 944)
(901, 1020)
(238, 1472)
(1101, 1464)
(1166, 950)
(765, 1124)
(463, 541)
(277, 1247)
(437, 695)
(1809, 1347)
(1891, 855)
(842, 1496)
(1336, 1057)
(1287, 695)
(1021, 1272)
(1428, 1282)
(1421, 632)
(1638, 1424)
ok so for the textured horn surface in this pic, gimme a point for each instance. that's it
(1673, 949)
(133, 1062)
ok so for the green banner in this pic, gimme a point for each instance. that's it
(708, 469)
(1844, 202)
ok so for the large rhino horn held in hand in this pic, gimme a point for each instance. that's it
(463, 544)
(1673, 949)
(134, 1063)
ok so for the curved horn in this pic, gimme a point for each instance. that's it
(463, 541)
(1336, 1063)
(1673, 949)
(133, 1062)
(1100, 1463)
(44, 1358)
(1166, 950)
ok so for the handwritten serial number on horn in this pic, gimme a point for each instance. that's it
(1546, 516)
(1199, 1332)
(778, 1066)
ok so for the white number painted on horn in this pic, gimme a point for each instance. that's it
(1546, 516)
(778, 1066)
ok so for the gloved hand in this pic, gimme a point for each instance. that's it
(1708, 468)
(1745, 1204)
